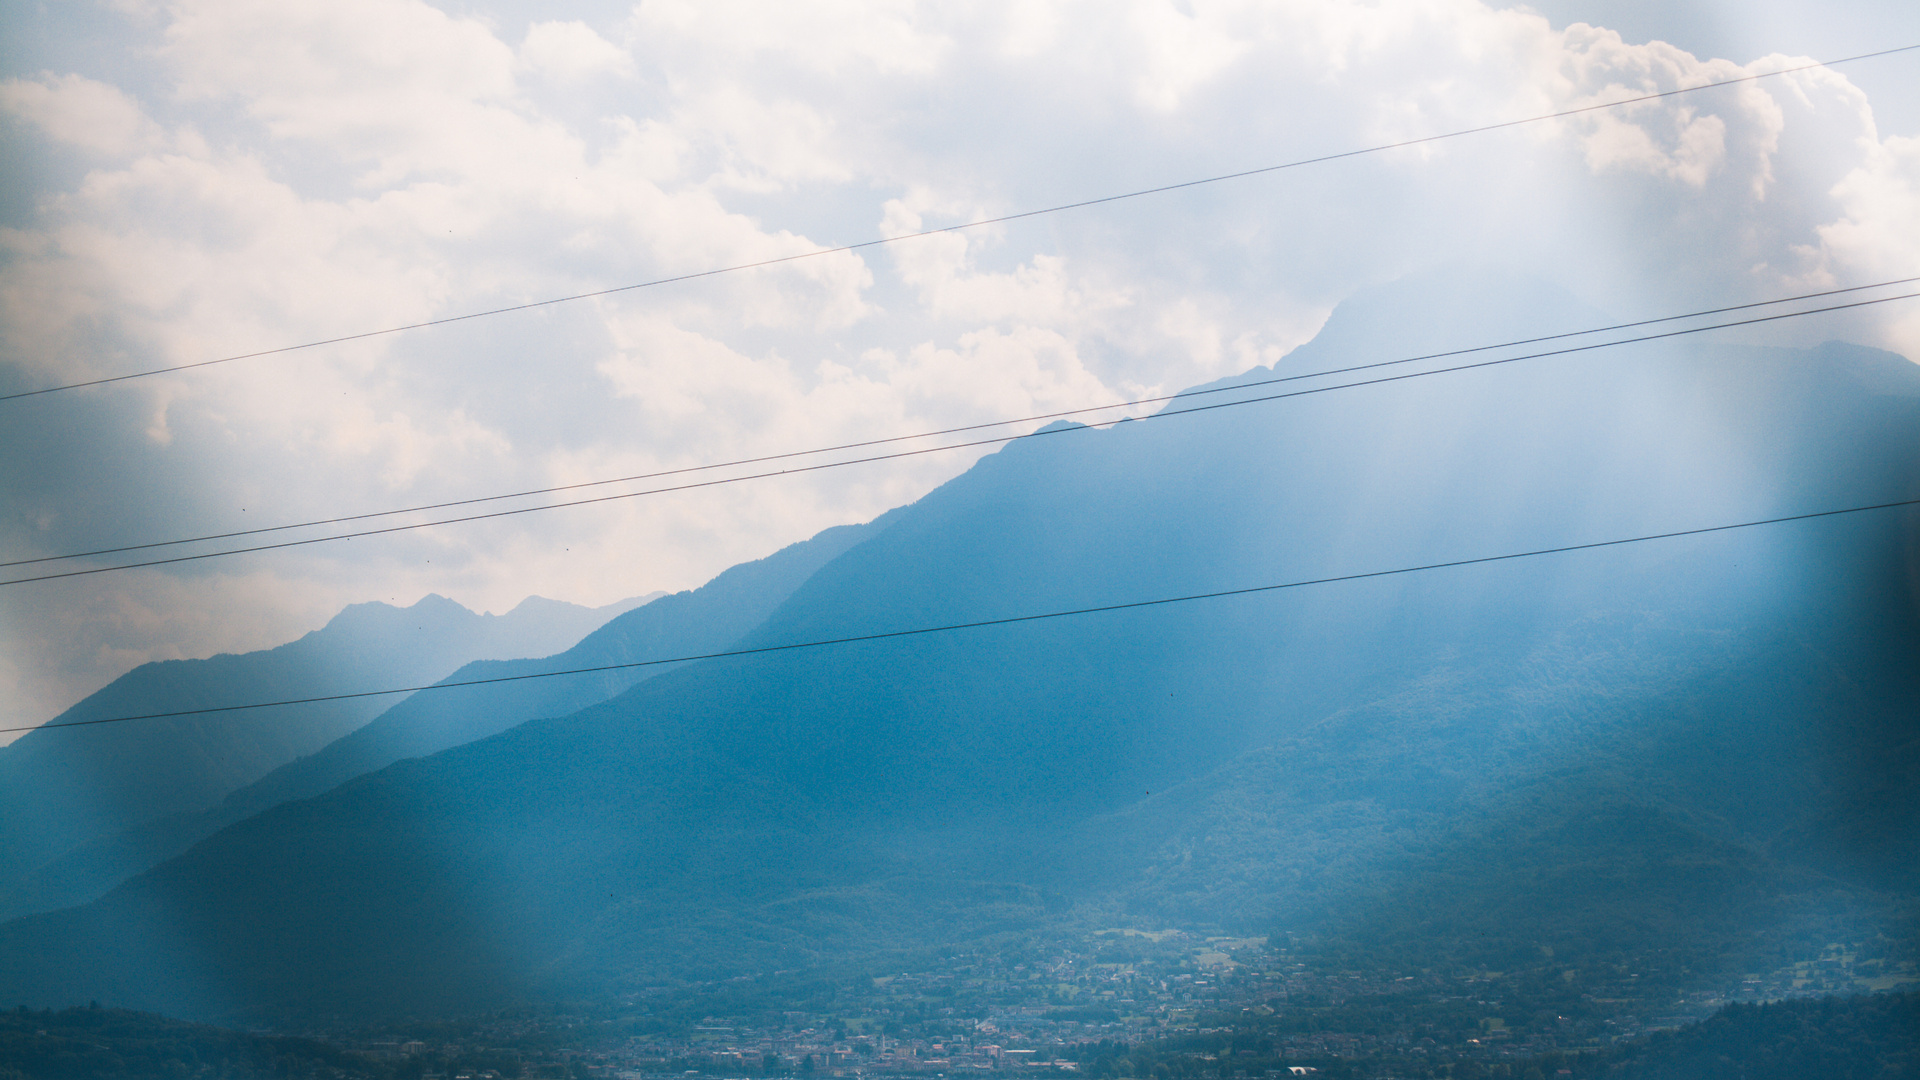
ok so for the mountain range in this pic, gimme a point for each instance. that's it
(686, 623)
(1693, 745)
(76, 785)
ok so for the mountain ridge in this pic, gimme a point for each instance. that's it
(1464, 750)
(692, 621)
(64, 788)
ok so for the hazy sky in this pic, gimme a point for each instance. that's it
(185, 181)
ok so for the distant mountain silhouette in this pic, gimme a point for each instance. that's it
(65, 788)
(1686, 744)
(702, 620)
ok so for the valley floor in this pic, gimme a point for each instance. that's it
(1114, 1003)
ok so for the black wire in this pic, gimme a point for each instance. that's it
(980, 623)
(943, 431)
(951, 446)
(957, 228)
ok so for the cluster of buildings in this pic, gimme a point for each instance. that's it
(1070, 1009)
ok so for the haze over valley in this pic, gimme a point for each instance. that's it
(1451, 612)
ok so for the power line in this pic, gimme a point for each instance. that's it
(788, 455)
(982, 623)
(817, 253)
(995, 440)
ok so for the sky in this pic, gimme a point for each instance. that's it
(187, 181)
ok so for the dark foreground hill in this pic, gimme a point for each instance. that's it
(688, 623)
(64, 788)
(1696, 744)
(1875, 1037)
(116, 1044)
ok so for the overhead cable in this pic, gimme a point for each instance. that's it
(983, 623)
(991, 441)
(1002, 219)
(791, 454)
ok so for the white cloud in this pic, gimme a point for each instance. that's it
(1878, 236)
(833, 37)
(82, 112)
(572, 50)
(1182, 51)
(1041, 290)
(312, 68)
(1697, 147)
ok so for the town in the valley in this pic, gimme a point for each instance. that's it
(1119, 1003)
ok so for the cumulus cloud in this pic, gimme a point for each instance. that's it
(83, 112)
(257, 174)
(1876, 236)
(572, 50)
(836, 38)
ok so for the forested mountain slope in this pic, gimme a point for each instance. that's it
(1684, 744)
(696, 621)
(62, 788)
